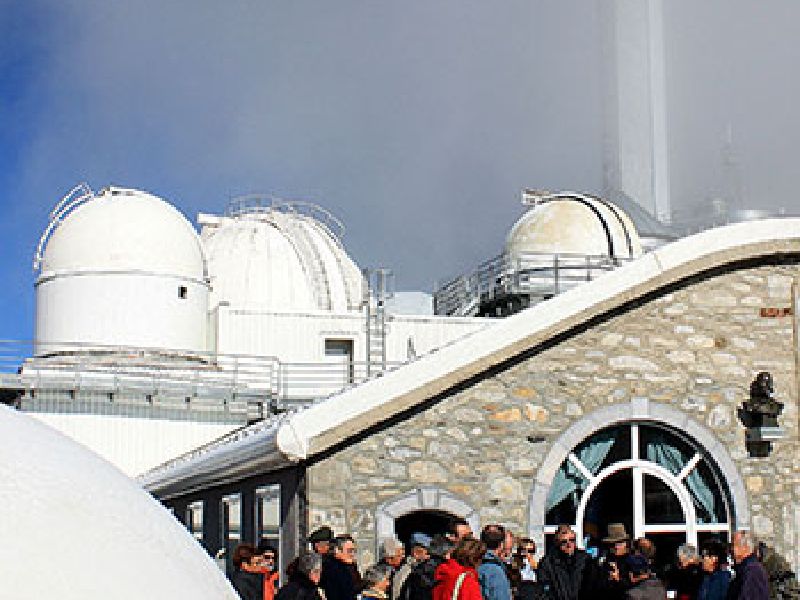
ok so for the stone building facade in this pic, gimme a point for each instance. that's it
(682, 356)
(620, 400)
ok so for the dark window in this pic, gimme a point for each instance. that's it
(182, 292)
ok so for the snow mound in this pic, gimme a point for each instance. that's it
(74, 527)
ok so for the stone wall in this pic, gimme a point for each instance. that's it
(695, 348)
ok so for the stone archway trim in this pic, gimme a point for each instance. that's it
(422, 498)
(639, 409)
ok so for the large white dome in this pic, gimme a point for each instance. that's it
(74, 527)
(278, 257)
(120, 268)
(574, 224)
(123, 230)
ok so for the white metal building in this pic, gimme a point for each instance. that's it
(152, 338)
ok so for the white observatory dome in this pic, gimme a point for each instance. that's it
(76, 528)
(279, 256)
(574, 224)
(120, 268)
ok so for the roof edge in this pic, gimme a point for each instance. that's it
(323, 426)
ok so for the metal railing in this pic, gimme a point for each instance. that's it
(153, 374)
(537, 275)
(248, 204)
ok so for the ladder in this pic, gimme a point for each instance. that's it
(375, 312)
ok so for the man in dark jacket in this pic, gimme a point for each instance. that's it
(616, 580)
(644, 584)
(420, 583)
(247, 578)
(751, 581)
(337, 570)
(567, 573)
(304, 580)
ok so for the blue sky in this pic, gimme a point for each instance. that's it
(415, 122)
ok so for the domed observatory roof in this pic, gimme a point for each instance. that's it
(562, 241)
(120, 268)
(93, 531)
(120, 230)
(283, 256)
(573, 224)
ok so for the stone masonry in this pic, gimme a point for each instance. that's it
(695, 348)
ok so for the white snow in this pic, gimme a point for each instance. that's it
(74, 527)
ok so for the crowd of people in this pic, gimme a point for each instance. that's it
(496, 565)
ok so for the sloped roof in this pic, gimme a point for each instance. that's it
(305, 434)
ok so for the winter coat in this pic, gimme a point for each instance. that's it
(649, 589)
(715, 586)
(420, 582)
(270, 583)
(493, 578)
(249, 586)
(566, 577)
(337, 580)
(400, 578)
(615, 589)
(751, 581)
(446, 577)
(299, 588)
(685, 581)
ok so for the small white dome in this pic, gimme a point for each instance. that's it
(278, 258)
(75, 528)
(574, 224)
(122, 230)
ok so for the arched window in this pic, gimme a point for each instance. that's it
(657, 482)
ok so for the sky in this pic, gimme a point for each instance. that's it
(416, 123)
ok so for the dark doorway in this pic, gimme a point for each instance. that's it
(429, 522)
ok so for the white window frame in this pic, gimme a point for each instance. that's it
(641, 467)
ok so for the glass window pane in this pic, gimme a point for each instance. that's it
(268, 514)
(231, 525)
(565, 494)
(661, 505)
(706, 496)
(664, 448)
(194, 519)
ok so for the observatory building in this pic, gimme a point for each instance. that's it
(261, 384)
(152, 338)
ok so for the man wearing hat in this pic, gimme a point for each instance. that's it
(615, 567)
(320, 540)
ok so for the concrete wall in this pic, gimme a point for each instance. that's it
(693, 349)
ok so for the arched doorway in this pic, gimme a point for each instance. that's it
(421, 509)
(429, 522)
(655, 480)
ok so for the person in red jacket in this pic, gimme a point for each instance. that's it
(269, 558)
(457, 578)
